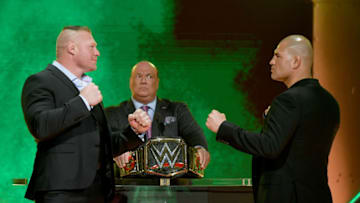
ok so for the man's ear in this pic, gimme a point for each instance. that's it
(71, 48)
(157, 85)
(296, 62)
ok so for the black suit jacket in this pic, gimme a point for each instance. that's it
(71, 140)
(291, 153)
(171, 120)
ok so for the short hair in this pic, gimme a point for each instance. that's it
(66, 35)
(77, 28)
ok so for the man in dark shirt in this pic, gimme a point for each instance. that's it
(290, 154)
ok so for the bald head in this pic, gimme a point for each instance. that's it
(298, 45)
(146, 65)
(67, 35)
(292, 60)
(144, 82)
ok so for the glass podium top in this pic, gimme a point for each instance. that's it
(243, 183)
(178, 190)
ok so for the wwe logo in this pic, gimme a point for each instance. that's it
(166, 154)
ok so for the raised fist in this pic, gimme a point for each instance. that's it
(214, 120)
(140, 121)
(92, 94)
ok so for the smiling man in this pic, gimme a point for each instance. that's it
(290, 154)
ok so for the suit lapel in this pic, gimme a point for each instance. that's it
(129, 107)
(159, 117)
(97, 110)
(57, 73)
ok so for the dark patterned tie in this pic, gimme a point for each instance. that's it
(148, 132)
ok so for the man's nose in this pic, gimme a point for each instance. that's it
(272, 61)
(143, 80)
(97, 52)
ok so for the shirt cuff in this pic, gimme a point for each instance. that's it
(199, 146)
(86, 103)
(141, 136)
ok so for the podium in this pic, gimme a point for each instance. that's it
(160, 190)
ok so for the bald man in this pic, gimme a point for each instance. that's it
(290, 154)
(63, 111)
(169, 119)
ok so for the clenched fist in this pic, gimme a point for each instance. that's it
(92, 94)
(140, 121)
(214, 120)
(204, 157)
(123, 159)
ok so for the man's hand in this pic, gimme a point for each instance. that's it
(214, 120)
(122, 160)
(204, 157)
(92, 94)
(266, 111)
(140, 121)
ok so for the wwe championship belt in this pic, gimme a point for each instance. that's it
(163, 157)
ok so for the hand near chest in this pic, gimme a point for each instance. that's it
(139, 121)
(92, 94)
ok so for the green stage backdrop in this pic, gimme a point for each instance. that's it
(198, 72)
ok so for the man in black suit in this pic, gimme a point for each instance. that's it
(64, 113)
(290, 154)
(169, 119)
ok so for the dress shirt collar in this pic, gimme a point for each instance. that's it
(138, 105)
(79, 83)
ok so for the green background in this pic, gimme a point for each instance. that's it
(198, 72)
